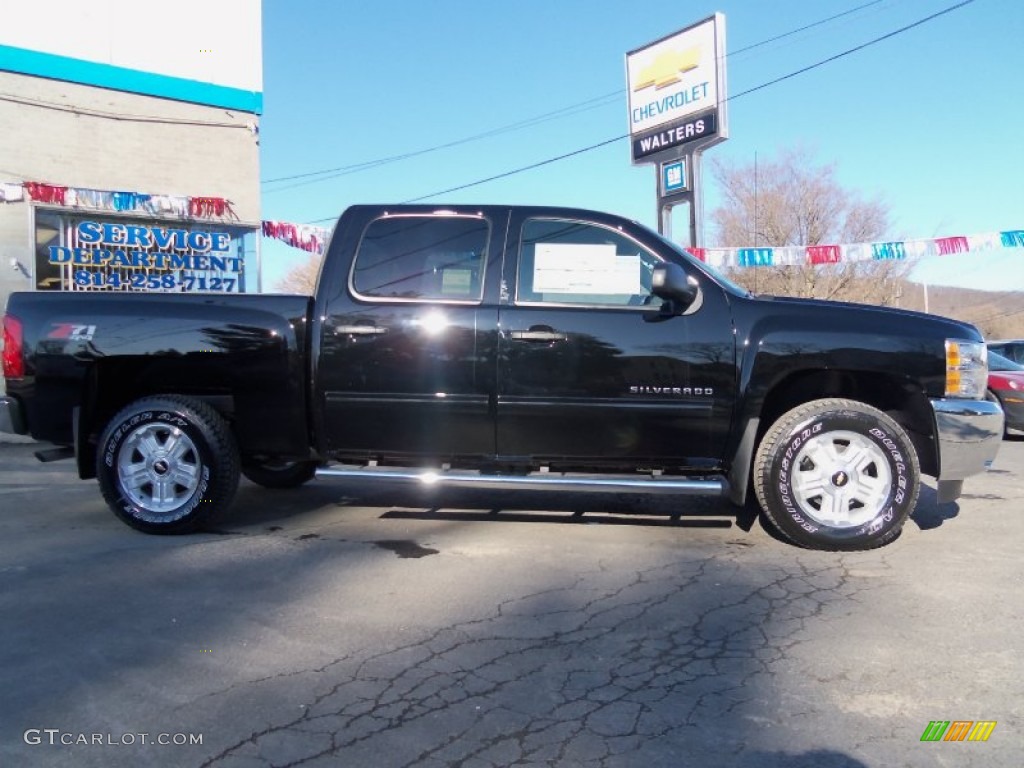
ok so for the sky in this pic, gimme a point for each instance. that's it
(929, 120)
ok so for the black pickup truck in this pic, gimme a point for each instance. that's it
(505, 347)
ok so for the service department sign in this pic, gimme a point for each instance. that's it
(677, 89)
(122, 256)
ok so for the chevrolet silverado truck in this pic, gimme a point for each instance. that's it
(504, 347)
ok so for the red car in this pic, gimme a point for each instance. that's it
(1006, 385)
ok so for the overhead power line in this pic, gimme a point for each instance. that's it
(326, 174)
(331, 173)
(614, 139)
(756, 88)
(802, 29)
(520, 170)
(848, 51)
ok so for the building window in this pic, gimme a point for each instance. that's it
(86, 252)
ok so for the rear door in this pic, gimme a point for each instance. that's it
(407, 353)
(589, 373)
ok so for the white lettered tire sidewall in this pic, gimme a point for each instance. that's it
(210, 454)
(821, 421)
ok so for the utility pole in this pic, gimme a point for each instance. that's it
(755, 217)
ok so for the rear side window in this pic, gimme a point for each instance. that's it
(422, 258)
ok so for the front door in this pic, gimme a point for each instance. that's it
(590, 374)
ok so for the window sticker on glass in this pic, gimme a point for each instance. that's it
(584, 268)
(457, 282)
(628, 270)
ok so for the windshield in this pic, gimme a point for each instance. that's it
(718, 276)
(997, 362)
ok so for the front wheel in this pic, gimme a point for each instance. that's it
(838, 475)
(167, 464)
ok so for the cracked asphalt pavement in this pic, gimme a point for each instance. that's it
(355, 625)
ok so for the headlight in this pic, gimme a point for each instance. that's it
(966, 368)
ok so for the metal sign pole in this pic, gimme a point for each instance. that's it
(696, 205)
(688, 193)
(664, 218)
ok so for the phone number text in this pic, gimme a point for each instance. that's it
(163, 282)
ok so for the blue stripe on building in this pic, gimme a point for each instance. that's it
(56, 67)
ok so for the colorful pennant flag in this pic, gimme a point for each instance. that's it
(754, 257)
(120, 201)
(304, 236)
(313, 239)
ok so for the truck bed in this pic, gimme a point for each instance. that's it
(86, 350)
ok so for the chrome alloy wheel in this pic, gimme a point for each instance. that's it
(841, 479)
(158, 467)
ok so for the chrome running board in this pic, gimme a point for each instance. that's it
(535, 481)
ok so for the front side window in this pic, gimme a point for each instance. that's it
(573, 262)
(422, 258)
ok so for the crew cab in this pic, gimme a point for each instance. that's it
(505, 347)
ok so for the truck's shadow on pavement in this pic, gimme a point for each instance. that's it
(929, 513)
(259, 507)
(256, 506)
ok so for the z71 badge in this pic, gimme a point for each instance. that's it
(72, 332)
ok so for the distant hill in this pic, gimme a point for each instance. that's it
(999, 315)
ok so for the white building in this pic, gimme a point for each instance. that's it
(140, 116)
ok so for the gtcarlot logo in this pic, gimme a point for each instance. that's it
(57, 737)
(958, 730)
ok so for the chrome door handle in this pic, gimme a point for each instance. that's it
(537, 336)
(359, 330)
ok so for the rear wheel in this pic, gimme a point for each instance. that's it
(167, 464)
(837, 474)
(281, 474)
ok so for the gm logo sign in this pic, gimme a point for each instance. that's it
(673, 177)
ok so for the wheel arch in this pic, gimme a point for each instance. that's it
(113, 383)
(896, 396)
(837, 451)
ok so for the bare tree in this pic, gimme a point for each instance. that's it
(790, 200)
(302, 277)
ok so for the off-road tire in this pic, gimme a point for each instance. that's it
(167, 464)
(859, 458)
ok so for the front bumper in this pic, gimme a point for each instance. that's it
(968, 435)
(12, 420)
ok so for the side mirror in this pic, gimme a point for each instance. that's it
(670, 281)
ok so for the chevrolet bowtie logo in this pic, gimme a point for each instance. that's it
(667, 68)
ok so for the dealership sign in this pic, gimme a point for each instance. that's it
(677, 91)
(158, 257)
(661, 139)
